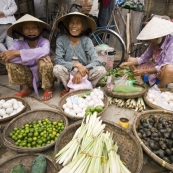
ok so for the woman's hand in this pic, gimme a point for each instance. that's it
(9, 54)
(139, 72)
(77, 78)
(124, 64)
(83, 70)
(46, 59)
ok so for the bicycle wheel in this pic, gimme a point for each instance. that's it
(112, 39)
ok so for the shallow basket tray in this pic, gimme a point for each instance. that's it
(33, 115)
(146, 114)
(126, 95)
(63, 101)
(129, 149)
(13, 116)
(151, 105)
(26, 160)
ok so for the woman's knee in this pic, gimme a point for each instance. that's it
(168, 69)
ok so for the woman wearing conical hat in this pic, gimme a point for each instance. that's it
(157, 60)
(75, 52)
(27, 61)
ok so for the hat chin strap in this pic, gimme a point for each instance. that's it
(61, 27)
(14, 32)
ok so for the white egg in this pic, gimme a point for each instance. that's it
(91, 94)
(94, 97)
(80, 100)
(75, 106)
(82, 105)
(9, 110)
(2, 112)
(0, 106)
(68, 99)
(101, 103)
(13, 113)
(67, 110)
(101, 97)
(80, 115)
(69, 104)
(88, 98)
(72, 113)
(64, 106)
(2, 101)
(78, 110)
(19, 109)
(16, 106)
(20, 103)
(6, 105)
(91, 103)
(9, 101)
(6, 115)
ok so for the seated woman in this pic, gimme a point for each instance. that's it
(157, 60)
(74, 51)
(27, 61)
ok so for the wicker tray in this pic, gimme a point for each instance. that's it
(153, 105)
(63, 101)
(129, 148)
(26, 117)
(146, 114)
(26, 160)
(13, 116)
(127, 95)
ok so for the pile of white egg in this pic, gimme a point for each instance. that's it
(10, 107)
(76, 106)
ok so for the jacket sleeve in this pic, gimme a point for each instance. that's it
(11, 10)
(91, 53)
(146, 55)
(60, 54)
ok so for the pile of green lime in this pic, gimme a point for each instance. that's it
(90, 110)
(37, 133)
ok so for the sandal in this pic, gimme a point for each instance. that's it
(22, 94)
(64, 92)
(47, 95)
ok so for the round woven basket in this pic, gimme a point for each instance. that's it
(63, 101)
(30, 116)
(13, 116)
(157, 114)
(26, 160)
(127, 95)
(151, 105)
(128, 147)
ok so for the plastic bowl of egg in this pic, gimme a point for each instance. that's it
(11, 107)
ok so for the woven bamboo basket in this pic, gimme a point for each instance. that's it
(33, 115)
(126, 95)
(63, 101)
(129, 149)
(13, 116)
(26, 160)
(151, 105)
(157, 113)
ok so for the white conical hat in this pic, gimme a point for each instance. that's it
(90, 23)
(26, 18)
(156, 28)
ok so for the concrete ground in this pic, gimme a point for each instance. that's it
(112, 114)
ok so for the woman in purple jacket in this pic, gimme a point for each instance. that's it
(157, 60)
(27, 61)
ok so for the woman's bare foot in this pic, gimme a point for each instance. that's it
(25, 91)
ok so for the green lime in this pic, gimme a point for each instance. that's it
(98, 109)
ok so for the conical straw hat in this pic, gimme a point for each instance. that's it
(90, 23)
(26, 18)
(156, 28)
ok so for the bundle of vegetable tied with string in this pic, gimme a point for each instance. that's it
(91, 150)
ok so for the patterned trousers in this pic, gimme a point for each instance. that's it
(94, 75)
(20, 74)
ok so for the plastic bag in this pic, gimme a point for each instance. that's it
(85, 84)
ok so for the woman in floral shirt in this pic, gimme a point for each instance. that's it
(157, 60)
